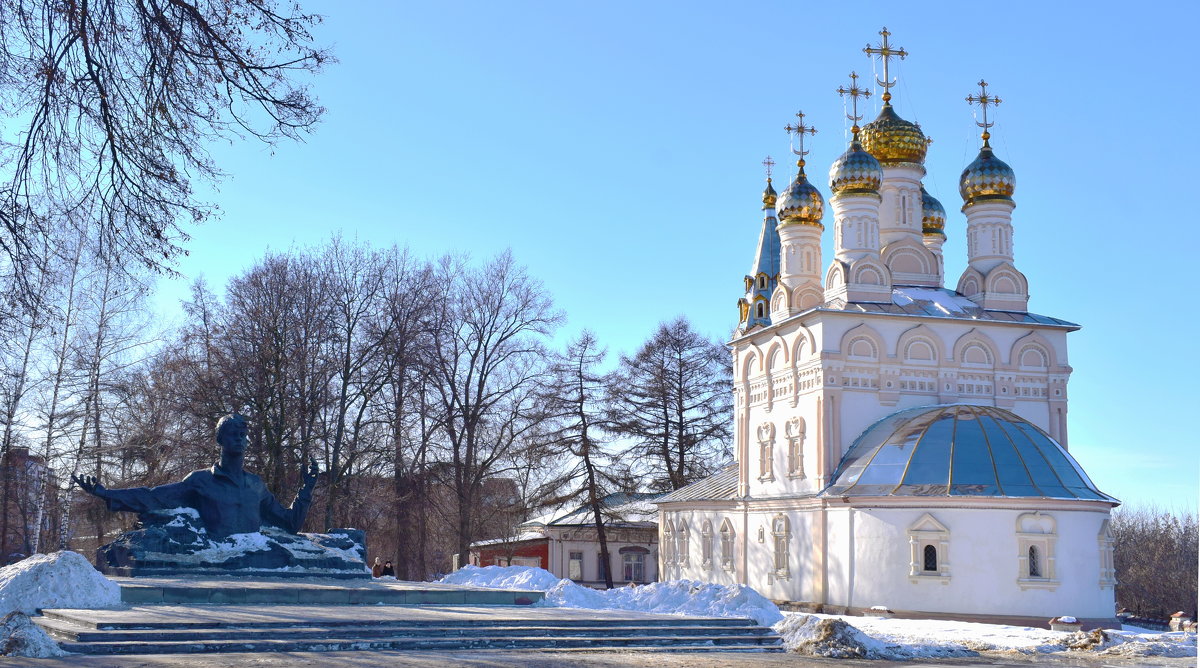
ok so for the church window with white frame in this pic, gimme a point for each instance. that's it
(766, 454)
(681, 544)
(781, 532)
(794, 430)
(1037, 538)
(668, 543)
(1106, 542)
(727, 545)
(929, 551)
(706, 546)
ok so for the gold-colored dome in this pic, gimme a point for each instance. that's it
(933, 214)
(987, 177)
(769, 195)
(855, 172)
(893, 140)
(800, 203)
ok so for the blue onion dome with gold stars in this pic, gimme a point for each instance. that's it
(893, 140)
(933, 214)
(987, 178)
(800, 203)
(855, 172)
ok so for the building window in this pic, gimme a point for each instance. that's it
(575, 566)
(1037, 537)
(706, 546)
(762, 282)
(727, 545)
(929, 551)
(1108, 574)
(794, 429)
(781, 531)
(766, 447)
(681, 544)
(760, 310)
(931, 558)
(634, 566)
(667, 548)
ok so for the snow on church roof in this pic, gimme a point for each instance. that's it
(960, 450)
(941, 303)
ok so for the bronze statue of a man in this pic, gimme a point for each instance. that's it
(229, 499)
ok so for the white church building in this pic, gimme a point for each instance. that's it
(897, 442)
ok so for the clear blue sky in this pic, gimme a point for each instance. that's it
(615, 147)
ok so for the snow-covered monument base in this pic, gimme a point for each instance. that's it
(175, 542)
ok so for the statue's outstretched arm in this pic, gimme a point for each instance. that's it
(145, 499)
(291, 519)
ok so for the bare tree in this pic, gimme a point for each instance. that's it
(117, 102)
(489, 358)
(1155, 556)
(672, 398)
(574, 401)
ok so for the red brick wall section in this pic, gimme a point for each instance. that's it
(539, 549)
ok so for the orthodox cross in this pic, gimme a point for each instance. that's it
(853, 92)
(797, 132)
(768, 163)
(885, 53)
(984, 101)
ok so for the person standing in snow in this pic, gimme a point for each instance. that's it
(388, 571)
(229, 499)
(377, 569)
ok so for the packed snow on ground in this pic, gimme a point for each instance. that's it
(524, 578)
(19, 636)
(900, 639)
(58, 580)
(683, 597)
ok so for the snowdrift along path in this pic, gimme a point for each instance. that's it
(826, 635)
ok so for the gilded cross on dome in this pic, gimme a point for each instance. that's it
(854, 92)
(768, 163)
(797, 132)
(885, 53)
(984, 100)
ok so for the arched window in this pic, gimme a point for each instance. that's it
(727, 545)
(931, 558)
(781, 531)
(762, 282)
(760, 310)
(1035, 565)
(706, 546)
(681, 544)
(668, 543)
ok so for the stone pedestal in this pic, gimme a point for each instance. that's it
(175, 542)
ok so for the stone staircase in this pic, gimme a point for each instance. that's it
(181, 629)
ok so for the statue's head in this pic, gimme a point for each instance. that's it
(231, 433)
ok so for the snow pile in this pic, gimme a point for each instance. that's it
(682, 597)
(831, 638)
(907, 639)
(19, 636)
(58, 580)
(1174, 644)
(503, 577)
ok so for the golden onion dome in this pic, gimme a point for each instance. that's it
(800, 203)
(855, 172)
(769, 195)
(933, 214)
(987, 177)
(893, 140)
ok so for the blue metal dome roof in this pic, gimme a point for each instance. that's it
(960, 450)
